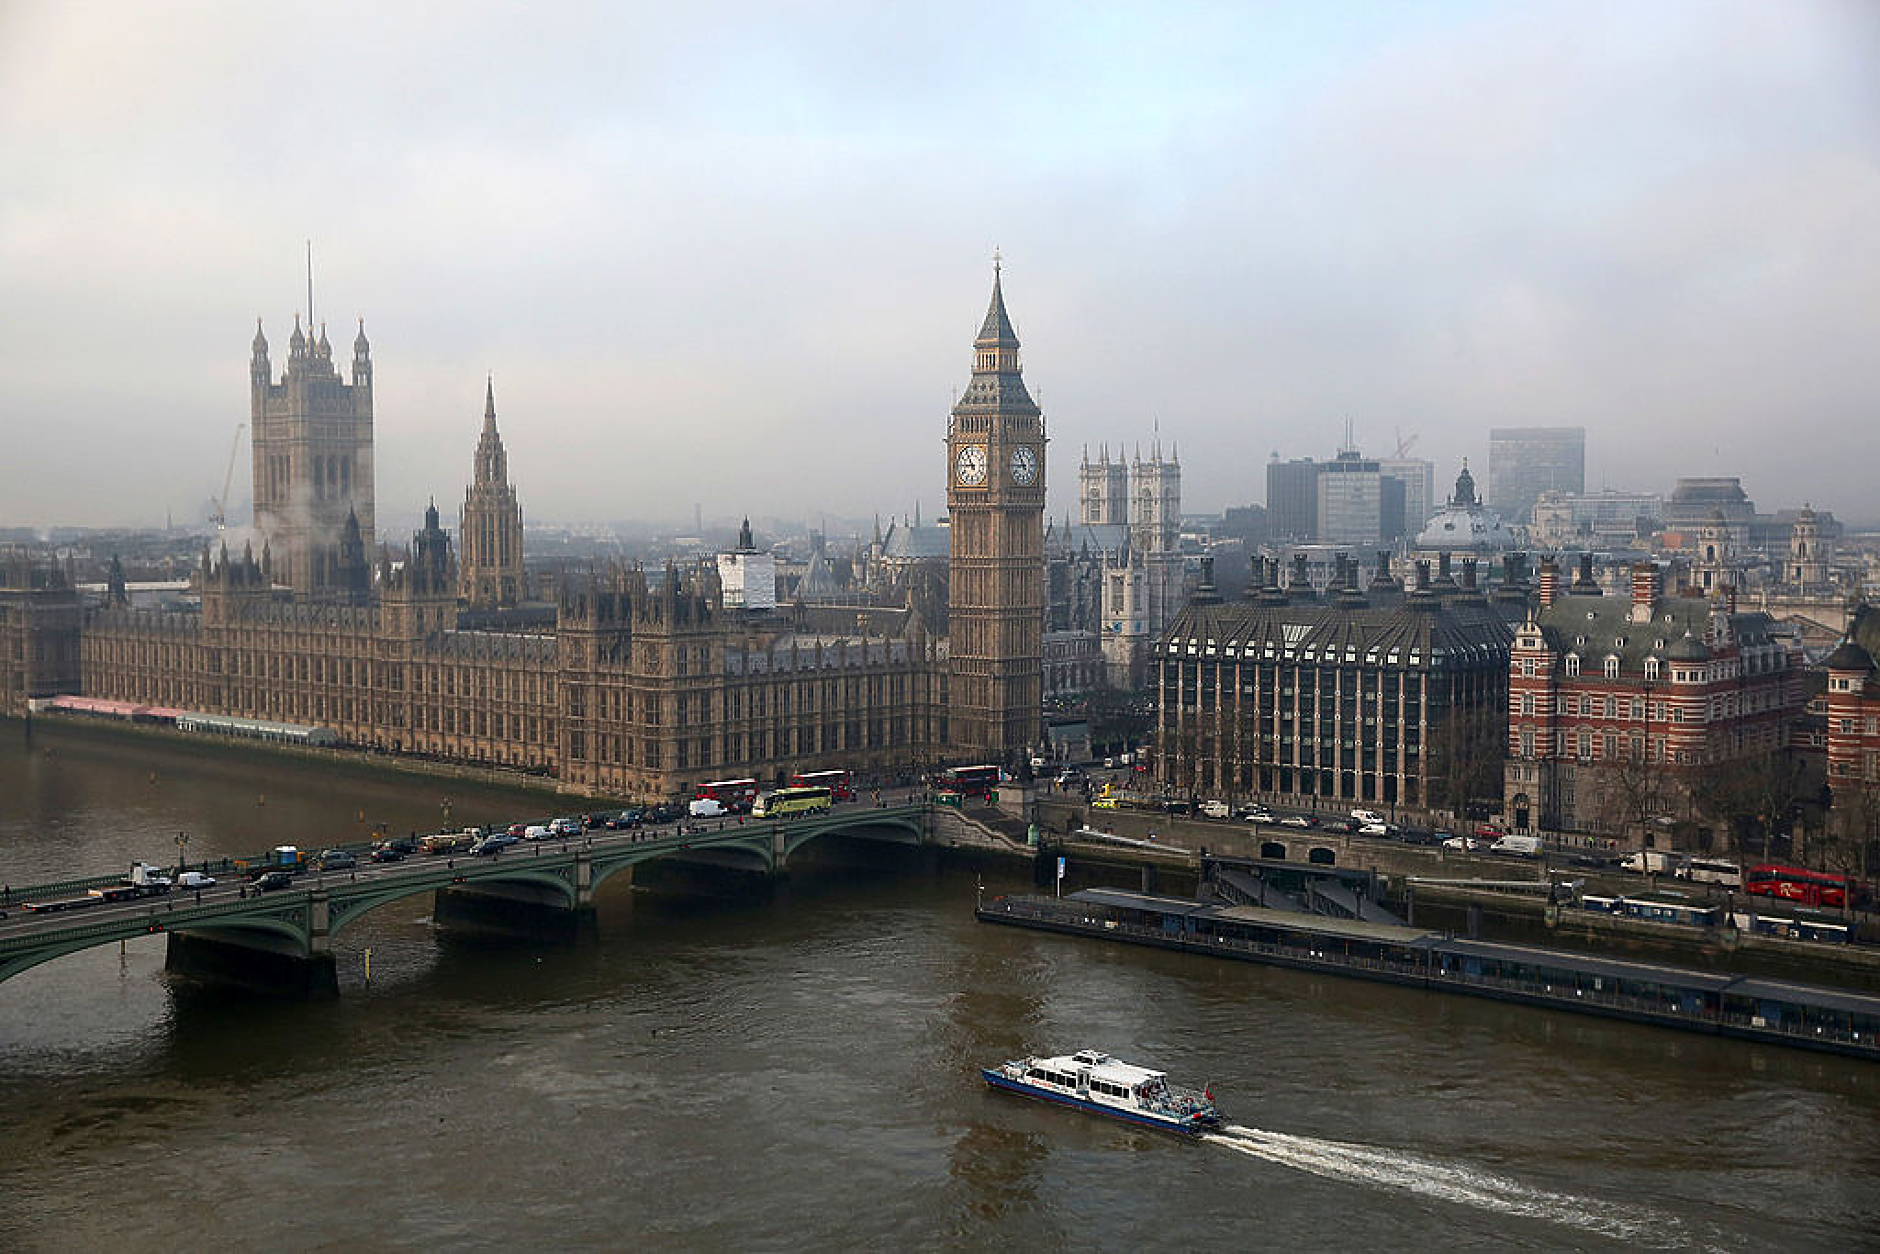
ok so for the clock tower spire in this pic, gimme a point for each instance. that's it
(995, 497)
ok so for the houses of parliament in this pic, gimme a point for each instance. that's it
(644, 683)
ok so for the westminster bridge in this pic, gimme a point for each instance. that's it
(281, 941)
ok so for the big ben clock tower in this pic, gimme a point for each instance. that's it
(995, 497)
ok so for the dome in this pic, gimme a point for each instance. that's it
(1689, 649)
(1474, 528)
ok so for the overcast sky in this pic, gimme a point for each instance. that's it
(736, 254)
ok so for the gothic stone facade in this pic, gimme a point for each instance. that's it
(312, 441)
(638, 691)
(995, 495)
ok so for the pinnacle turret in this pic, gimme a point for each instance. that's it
(996, 331)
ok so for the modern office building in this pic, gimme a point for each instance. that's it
(1292, 499)
(1524, 462)
(1357, 502)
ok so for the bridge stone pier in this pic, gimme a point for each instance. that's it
(283, 952)
(524, 909)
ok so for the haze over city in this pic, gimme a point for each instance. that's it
(737, 256)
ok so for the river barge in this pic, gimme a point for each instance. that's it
(1098, 1084)
(1774, 1012)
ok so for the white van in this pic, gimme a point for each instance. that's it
(1519, 846)
(1215, 810)
(707, 808)
(1654, 862)
(1367, 816)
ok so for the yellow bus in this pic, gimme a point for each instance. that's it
(783, 801)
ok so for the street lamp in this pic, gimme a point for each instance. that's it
(182, 842)
(447, 814)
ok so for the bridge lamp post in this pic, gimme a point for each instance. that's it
(182, 843)
(447, 814)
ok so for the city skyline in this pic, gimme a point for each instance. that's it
(735, 263)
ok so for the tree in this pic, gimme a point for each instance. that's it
(1751, 798)
(1465, 755)
(1850, 839)
(1632, 792)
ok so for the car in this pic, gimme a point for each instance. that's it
(1257, 814)
(1296, 820)
(272, 880)
(519, 830)
(1422, 836)
(663, 813)
(566, 827)
(1367, 816)
(1103, 803)
(1376, 829)
(1467, 844)
(337, 860)
(490, 846)
(388, 853)
(406, 845)
(1178, 805)
(1215, 810)
(195, 879)
(1488, 831)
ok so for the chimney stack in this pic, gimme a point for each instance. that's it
(1468, 574)
(1647, 588)
(1300, 584)
(1550, 583)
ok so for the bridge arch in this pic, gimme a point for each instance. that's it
(907, 828)
(280, 935)
(342, 911)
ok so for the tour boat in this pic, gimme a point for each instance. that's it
(1093, 1081)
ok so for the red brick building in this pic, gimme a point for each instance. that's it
(1853, 731)
(1620, 709)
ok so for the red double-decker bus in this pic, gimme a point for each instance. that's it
(969, 781)
(840, 787)
(1797, 884)
(730, 793)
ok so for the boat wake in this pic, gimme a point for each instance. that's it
(1450, 1182)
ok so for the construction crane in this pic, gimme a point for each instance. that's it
(220, 515)
(1403, 445)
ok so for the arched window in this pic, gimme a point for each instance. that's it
(1573, 664)
(1612, 668)
(1651, 668)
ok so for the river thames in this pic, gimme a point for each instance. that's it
(725, 1072)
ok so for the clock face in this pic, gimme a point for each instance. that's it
(970, 469)
(1024, 465)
